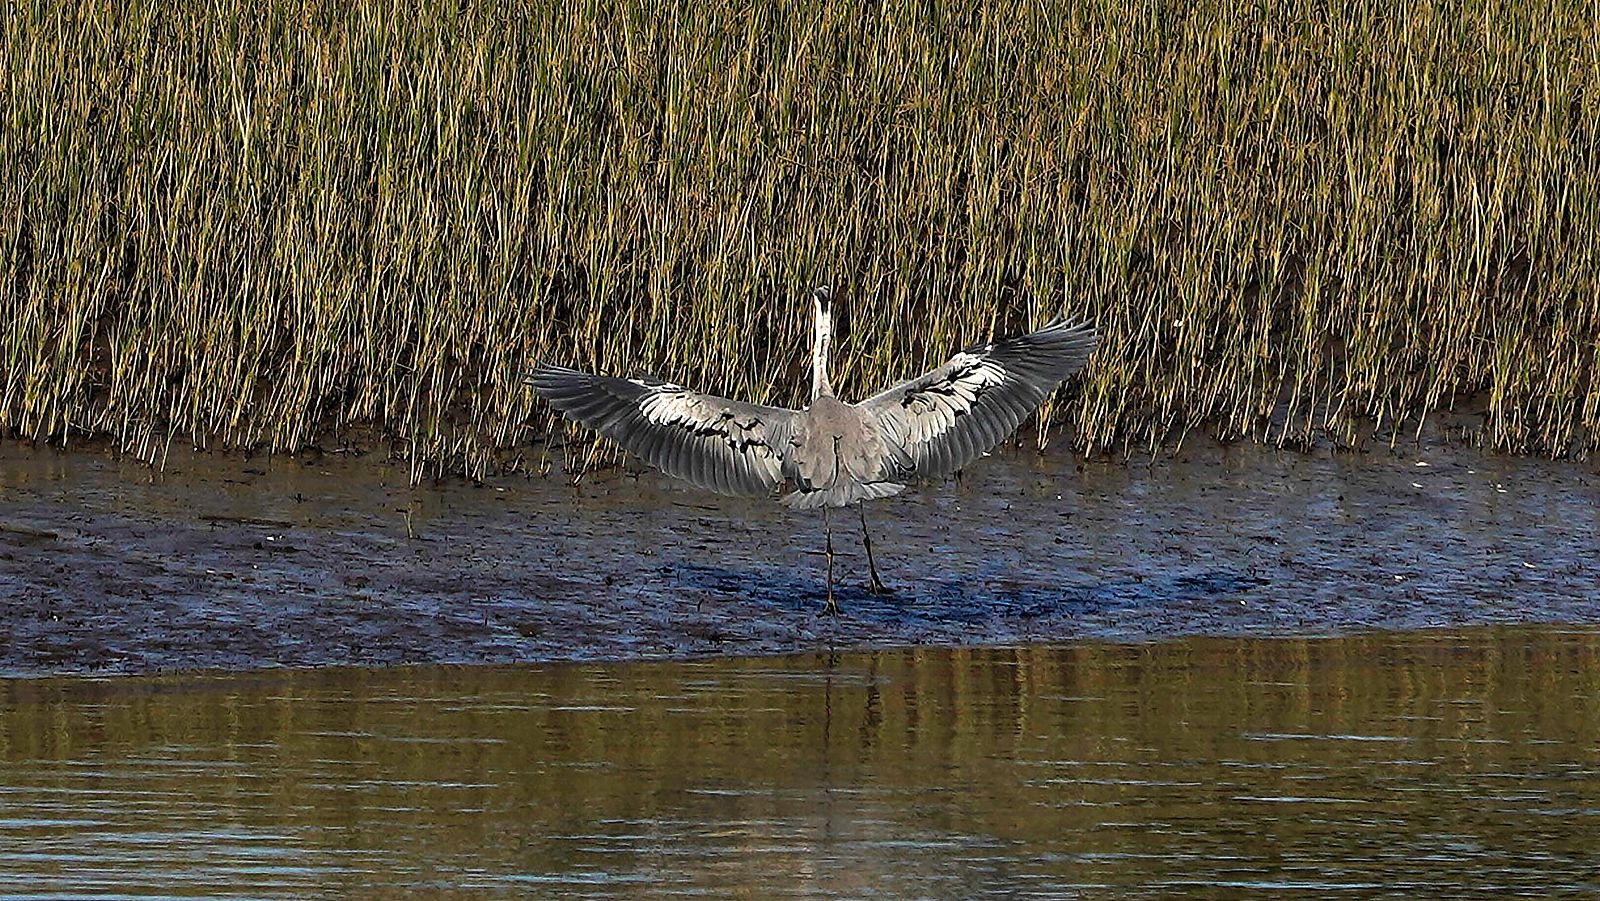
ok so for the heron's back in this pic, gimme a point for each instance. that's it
(838, 457)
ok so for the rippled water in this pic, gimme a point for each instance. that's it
(1428, 764)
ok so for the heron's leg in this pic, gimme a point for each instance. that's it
(877, 586)
(831, 608)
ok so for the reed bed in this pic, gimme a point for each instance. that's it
(272, 224)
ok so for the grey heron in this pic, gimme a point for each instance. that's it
(831, 453)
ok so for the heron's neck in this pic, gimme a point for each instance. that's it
(819, 356)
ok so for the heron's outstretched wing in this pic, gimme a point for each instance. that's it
(719, 444)
(939, 422)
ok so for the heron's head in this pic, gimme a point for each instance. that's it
(822, 296)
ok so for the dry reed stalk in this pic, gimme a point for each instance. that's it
(270, 224)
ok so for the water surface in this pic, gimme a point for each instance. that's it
(1427, 764)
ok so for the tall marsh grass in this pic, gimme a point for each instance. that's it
(275, 224)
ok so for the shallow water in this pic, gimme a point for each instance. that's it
(228, 564)
(1433, 764)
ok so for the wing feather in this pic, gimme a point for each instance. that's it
(715, 443)
(947, 418)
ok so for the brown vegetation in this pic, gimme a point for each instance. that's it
(271, 223)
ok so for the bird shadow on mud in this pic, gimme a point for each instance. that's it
(963, 599)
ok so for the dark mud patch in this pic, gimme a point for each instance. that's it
(223, 563)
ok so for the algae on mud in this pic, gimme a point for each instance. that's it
(319, 562)
(275, 224)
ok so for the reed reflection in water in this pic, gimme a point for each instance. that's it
(1385, 763)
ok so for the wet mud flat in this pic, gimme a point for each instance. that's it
(224, 562)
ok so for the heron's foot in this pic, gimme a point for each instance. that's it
(831, 607)
(877, 589)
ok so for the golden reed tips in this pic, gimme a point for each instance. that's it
(270, 224)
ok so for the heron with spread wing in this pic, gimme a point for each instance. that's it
(830, 454)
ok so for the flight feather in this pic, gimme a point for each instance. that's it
(941, 421)
(722, 445)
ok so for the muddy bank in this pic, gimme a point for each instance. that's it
(220, 562)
